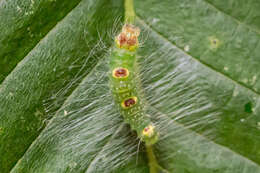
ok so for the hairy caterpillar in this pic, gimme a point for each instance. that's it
(125, 85)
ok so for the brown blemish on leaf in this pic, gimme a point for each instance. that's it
(214, 42)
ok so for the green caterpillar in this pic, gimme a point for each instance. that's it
(125, 85)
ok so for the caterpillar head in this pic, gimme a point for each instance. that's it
(128, 38)
(150, 135)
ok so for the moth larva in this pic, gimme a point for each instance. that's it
(125, 85)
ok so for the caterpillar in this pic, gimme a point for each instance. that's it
(125, 85)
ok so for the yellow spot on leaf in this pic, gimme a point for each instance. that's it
(186, 48)
(226, 68)
(214, 42)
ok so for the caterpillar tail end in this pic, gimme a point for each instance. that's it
(150, 135)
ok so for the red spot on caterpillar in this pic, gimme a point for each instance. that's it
(128, 38)
(122, 39)
(120, 72)
(146, 129)
(132, 42)
(129, 102)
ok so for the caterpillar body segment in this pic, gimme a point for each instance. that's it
(125, 85)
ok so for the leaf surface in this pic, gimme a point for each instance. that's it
(37, 87)
(23, 24)
(198, 63)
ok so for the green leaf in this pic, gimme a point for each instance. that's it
(51, 71)
(23, 24)
(199, 64)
